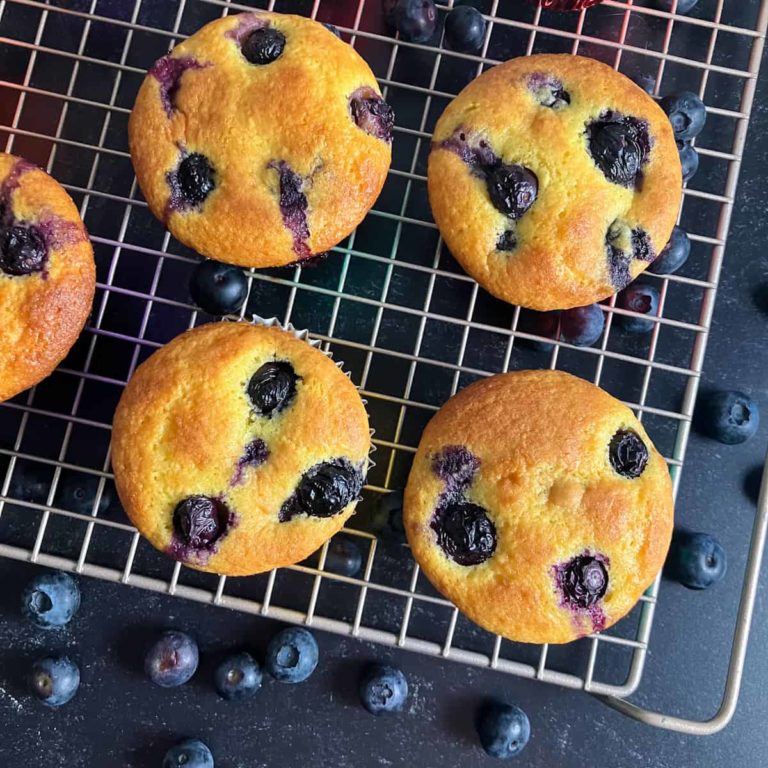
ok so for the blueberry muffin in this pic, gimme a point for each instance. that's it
(554, 180)
(538, 505)
(261, 140)
(47, 275)
(239, 448)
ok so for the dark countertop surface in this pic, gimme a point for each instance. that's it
(119, 719)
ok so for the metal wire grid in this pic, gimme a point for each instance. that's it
(410, 325)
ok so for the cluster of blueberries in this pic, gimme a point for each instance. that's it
(51, 600)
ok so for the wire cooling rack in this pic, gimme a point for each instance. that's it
(390, 302)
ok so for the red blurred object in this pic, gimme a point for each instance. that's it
(566, 5)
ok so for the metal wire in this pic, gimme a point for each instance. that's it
(427, 323)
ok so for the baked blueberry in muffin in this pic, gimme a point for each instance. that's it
(539, 506)
(47, 275)
(261, 140)
(239, 448)
(554, 180)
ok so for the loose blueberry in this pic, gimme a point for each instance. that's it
(619, 146)
(54, 680)
(238, 677)
(387, 516)
(343, 557)
(512, 188)
(332, 29)
(383, 689)
(646, 81)
(264, 45)
(218, 289)
(683, 6)
(50, 600)
(686, 112)
(195, 179)
(643, 299)
(172, 659)
(730, 417)
(272, 388)
(507, 241)
(504, 730)
(465, 29)
(324, 490)
(548, 91)
(582, 581)
(674, 254)
(23, 250)
(415, 20)
(199, 521)
(372, 114)
(544, 324)
(689, 160)
(696, 560)
(292, 655)
(464, 532)
(582, 326)
(455, 466)
(190, 753)
(628, 453)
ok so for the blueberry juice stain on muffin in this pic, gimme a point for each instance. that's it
(622, 246)
(581, 583)
(168, 72)
(25, 247)
(372, 114)
(293, 207)
(512, 188)
(199, 522)
(464, 531)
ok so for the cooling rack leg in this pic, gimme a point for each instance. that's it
(738, 648)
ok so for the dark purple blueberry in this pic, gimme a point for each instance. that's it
(273, 387)
(372, 114)
(54, 680)
(263, 46)
(674, 254)
(622, 246)
(465, 29)
(548, 91)
(23, 249)
(628, 453)
(582, 326)
(333, 30)
(195, 179)
(696, 560)
(218, 289)
(507, 241)
(50, 600)
(293, 207)
(544, 324)
(172, 659)
(619, 146)
(383, 689)
(415, 20)
(455, 466)
(168, 72)
(324, 490)
(686, 112)
(689, 160)
(238, 677)
(464, 532)
(513, 189)
(582, 581)
(200, 521)
(504, 730)
(643, 299)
